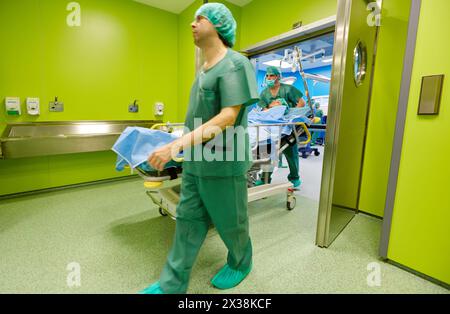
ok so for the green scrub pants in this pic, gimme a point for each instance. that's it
(291, 154)
(221, 201)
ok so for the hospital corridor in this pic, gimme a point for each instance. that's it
(224, 147)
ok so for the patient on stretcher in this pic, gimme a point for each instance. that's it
(275, 115)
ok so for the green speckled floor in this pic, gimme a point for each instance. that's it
(120, 241)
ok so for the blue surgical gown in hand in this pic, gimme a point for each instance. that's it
(136, 144)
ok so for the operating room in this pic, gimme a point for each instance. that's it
(340, 101)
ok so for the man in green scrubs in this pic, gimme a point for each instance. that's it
(317, 111)
(318, 114)
(212, 191)
(277, 94)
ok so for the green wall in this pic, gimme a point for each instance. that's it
(186, 56)
(420, 227)
(263, 19)
(115, 56)
(383, 107)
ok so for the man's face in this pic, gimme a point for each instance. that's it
(202, 30)
(271, 76)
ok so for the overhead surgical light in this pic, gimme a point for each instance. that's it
(318, 78)
(290, 80)
(276, 63)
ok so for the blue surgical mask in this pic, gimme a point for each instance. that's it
(270, 83)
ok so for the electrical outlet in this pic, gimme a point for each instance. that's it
(134, 107)
(159, 109)
(56, 106)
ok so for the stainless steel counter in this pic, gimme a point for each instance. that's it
(55, 138)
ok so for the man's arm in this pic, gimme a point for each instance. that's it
(226, 117)
(263, 104)
(274, 103)
(301, 103)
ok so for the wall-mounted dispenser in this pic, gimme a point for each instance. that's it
(12, 106)
(56, 106)
(159, 109)
(33, 106)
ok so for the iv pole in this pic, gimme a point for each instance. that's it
(297, 61)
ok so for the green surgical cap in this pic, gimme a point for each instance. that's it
(271, 70)
(222, 19)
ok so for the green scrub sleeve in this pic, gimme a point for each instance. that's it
(262, 99)
(238, 87)
(295, 95)
(262, 104)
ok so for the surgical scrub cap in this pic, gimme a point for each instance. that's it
(222, 19)
(271, 70)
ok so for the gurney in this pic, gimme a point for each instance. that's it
(279, 125)
(163, 187)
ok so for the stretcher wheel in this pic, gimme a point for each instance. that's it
(162, 212)
(290, 204)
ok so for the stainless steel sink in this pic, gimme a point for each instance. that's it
(55, 138)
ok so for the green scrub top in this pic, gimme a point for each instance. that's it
(318, 113)
(231, 82)
(288, 92)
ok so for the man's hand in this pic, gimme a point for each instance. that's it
(160, 157)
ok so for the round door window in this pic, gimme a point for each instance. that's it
(359, 63)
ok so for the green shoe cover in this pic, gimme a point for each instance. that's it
(228, 278)
(259, 182)
(152, 289)
(296, 183)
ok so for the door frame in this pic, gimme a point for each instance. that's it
(403, 100)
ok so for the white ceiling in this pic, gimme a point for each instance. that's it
(177, 6)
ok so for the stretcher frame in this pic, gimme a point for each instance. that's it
(164, 189)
